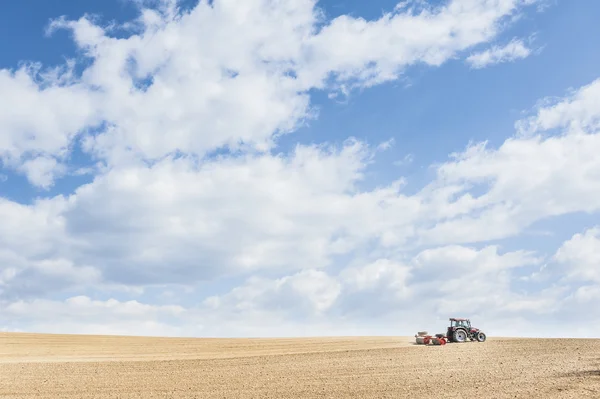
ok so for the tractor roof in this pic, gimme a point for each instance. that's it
(457, 319)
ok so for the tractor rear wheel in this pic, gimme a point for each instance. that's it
(460, 336)
(481, 337)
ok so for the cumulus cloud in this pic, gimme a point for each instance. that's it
(387, 296)
(234, 215)
(528, 178)
(171, 86)
(291, 206)
(306, 293)
(81, 314)
(512, 51)
(40, 117)
(579, 258)
(576, 113)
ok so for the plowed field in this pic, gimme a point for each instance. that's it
(62, 366)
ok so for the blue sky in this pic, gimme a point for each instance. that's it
(281, 234)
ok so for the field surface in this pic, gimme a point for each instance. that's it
(63, 366)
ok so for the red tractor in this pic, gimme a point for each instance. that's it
(460, 330)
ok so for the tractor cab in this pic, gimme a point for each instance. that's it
(460, 323)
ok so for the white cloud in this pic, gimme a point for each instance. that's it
(527, 179)
(383, 296)
(376, 51)
(42, 171)
(407, 160)
(297, 212)
(512, 51)
(33, 230)
(180, 222)
(22, 277)
(171, 85)
(40, 116)
(577, 113)
(435, 282)
(579, 257)
(82, 314)
(305, 294)
(379, 275)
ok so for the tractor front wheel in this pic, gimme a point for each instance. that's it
(460, 336)
(481, 337)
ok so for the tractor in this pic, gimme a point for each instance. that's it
(460, 330)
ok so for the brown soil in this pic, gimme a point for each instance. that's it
(62, 366)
